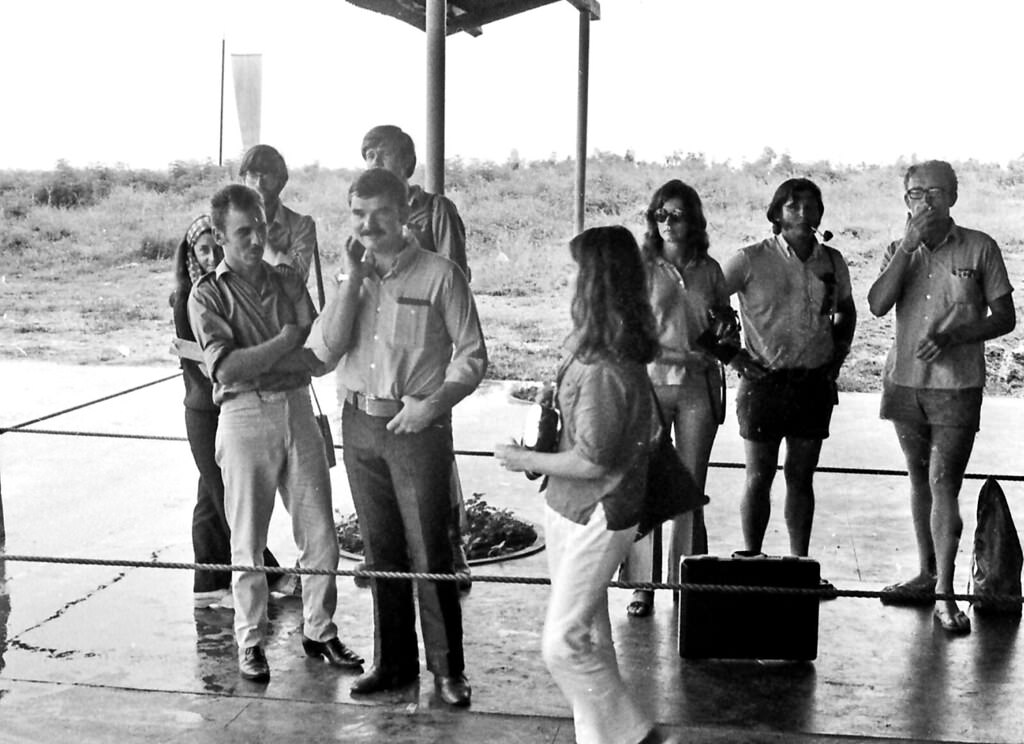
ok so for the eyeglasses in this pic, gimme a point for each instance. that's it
(917, 194)
(662, 215)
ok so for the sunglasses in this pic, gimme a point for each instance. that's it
(663, 215)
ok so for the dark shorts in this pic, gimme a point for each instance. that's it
(932, 406)
(786, 403)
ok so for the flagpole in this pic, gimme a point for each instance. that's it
(220, 144)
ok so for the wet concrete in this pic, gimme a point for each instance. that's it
(103, 654)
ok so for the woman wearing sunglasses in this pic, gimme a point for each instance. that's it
(687, 292)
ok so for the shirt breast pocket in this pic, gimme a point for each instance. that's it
(412, 316)
(966, 287)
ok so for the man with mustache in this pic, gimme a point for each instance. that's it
(434, 221)
(251, 319)
(951, 293)
(404, 331)
(798, 320)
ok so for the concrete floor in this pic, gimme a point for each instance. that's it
(103, 654)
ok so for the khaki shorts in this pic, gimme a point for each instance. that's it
(932, 406)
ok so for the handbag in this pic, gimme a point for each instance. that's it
(542, 428)
(671, 488)
(324, 424)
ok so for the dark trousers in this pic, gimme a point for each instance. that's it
(401, 489)
(211, 537)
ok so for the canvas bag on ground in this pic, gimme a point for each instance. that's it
(997, 558)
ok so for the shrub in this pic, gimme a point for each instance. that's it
(490, 532)
(157, 248)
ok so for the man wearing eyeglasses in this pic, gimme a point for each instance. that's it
(951, 293)
(798, 320)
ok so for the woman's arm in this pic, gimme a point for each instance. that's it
(568, 464)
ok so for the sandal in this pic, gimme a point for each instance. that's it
(956, 623)
(642, 604)
(910, 593)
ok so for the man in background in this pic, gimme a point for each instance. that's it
(951, 293)
(798, 319)
(291, 237)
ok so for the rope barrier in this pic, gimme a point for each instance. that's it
(911, 596)
(23, 424)
(1006, 477)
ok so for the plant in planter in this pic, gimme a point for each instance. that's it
(490, 532)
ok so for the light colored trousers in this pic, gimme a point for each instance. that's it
(269, 442)
(577, 643)
(688, 408)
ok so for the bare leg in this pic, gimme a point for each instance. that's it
(756, 506)
(801, 460)
(950, 452)
(915, 440)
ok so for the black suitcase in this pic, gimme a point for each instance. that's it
(748, 625)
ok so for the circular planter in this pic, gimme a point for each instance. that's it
(535, 547)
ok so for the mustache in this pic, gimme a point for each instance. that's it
(370, 233)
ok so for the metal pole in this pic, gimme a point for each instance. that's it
(220, 138)
(581, 118)
(3, 529)
(437, 23)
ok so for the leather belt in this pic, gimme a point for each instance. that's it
(372, 406)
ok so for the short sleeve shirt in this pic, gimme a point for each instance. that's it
(608, 418)
(786, 304)
(680, 301)
(943, 287)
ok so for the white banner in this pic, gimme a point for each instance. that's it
(248, 74)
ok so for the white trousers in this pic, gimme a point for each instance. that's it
(577, 642)
(270, 442)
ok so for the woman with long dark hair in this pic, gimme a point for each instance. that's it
(197, 254)
(596, 480)
(685, 283)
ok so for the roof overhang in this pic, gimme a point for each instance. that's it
(468, 15)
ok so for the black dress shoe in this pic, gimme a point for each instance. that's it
(379, 680)
(252, 664)
(334, 652)
(453, 690)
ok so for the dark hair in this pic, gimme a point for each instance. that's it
(789, 190)
(610, 309)
(388, 135)
(237, 196)
(264, 159)
(379, 182)
(696, 224)
(939, 165)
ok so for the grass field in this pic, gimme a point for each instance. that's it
(86, 253)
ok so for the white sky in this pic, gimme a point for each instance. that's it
(854, 81)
